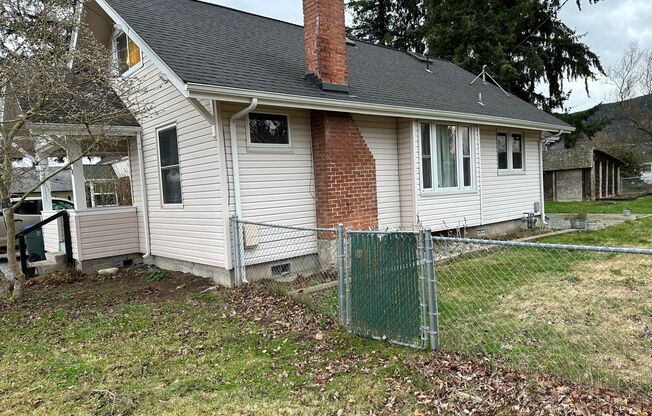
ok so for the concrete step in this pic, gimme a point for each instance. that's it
(54, 262)
(58, 257)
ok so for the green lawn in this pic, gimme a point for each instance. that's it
(151, 343)
(130, 346)
(585, 316)
(638, 206)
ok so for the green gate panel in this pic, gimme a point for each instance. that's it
(384, 287)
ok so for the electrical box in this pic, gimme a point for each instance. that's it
(251, 238)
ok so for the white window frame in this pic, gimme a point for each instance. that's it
(459, 156)
(160, 168)
(114, 49)
(269, 146)
(510, 153)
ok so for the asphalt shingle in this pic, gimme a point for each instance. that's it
(215, 45)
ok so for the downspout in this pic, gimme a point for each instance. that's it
(234, 153)
(143, 190)
(541, 185)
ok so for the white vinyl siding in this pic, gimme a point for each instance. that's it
(195, 233)
(407, 173)
(380, 134)
(104, 233)
(507, 197)
(276, 185)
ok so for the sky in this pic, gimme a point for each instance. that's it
(608, 26)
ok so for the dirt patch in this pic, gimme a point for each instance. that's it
(126, 285)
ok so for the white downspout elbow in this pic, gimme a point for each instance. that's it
(143, 190)
(233, 133)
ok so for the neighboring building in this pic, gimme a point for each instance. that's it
(580, 173)
(294, 125)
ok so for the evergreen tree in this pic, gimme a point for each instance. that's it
(393, 23)
(522, 42)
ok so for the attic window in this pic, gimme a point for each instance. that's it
(128, 54)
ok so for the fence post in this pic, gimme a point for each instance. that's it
(433, 306)
(341, 273)
(425, 330)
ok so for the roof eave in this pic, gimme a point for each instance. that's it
(196, 90)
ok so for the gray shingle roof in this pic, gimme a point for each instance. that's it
(215, 45)
(580, 156)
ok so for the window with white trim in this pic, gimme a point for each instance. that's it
(509, 147)
(447, 154)
(169, 164)
(268, 130)
(127, 54)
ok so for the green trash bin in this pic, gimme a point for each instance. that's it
(34, 243)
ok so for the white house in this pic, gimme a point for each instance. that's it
(294, 125)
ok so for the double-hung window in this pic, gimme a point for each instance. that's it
(169, 163)
(446, 157)
(509, 147)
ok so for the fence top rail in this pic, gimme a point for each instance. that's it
(288, 227)
(567, 247)
(381, 232)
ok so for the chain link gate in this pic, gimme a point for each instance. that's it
(377, 283)
(386, 286)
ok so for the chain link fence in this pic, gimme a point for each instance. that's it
(581, 313)
(634, 187)
(301, 262)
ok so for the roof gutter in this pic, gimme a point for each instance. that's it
(233, 133)
(295, 101)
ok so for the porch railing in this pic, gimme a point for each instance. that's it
(66, 238)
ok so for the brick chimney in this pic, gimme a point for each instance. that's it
(325, 44)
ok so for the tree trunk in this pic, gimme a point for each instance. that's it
(16, 273)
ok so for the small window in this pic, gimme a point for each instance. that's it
(509, 148)
(128, 53)
(169, 160)
(517, 151)
(269, 129)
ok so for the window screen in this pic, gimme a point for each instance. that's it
(268, 129)
(170, 173)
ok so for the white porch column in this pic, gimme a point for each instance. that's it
(46, 187)
(613, 179)
(78, 180)
(606, 180)
(600, 179)
(619, 181)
